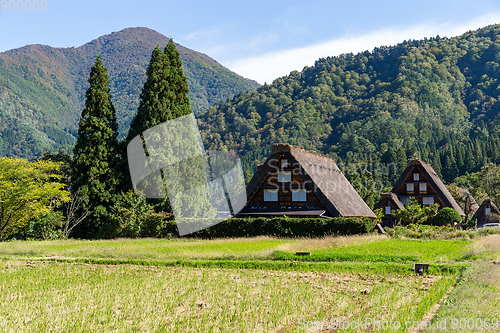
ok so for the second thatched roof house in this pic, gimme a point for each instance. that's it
(419, 181)
(294, 181)
(484, 213)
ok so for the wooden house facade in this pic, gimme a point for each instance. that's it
(294, 181)
(419, 181)
(482, 215)
(389, 203)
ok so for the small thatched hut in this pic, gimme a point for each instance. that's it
(389, 203)
(487, 213)
(294, 181)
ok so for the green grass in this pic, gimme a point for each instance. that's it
(474, 301)
(161, 249)
(408, 249)
(370, 248)
(370, 253)
(41, 296)
(476, 297)
(235, 285)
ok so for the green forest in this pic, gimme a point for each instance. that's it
(435, 99)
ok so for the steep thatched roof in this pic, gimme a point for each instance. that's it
(322, 174)
(466, 193)
(434, 181)
(392, 197)
(480, 214)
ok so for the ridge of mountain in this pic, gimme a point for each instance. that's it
(42, 88)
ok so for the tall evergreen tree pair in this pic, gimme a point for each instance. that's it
(97, 164)
(164, 98)
(164, 95)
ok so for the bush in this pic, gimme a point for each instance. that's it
(286, 227)
(428, 232)
(158, 225)
(128, 214)
(447, 216)
(46, 226)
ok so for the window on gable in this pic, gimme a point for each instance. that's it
(271, 195)
(428, 201)
(299, 195)
(284, 176)
(284, 163)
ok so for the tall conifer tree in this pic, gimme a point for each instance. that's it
(164, 95)
(95, 153)
(177, 82)
(163, 98)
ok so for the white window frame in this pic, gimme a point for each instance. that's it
(299, 194)
(487, 210)
(284, 163)
(271, 195)
(410, 187)
(387, 210)
(422, 187)
(284, 176)
(416, 176)
(428, 200)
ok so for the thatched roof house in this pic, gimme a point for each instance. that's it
(486, 208)
(294, 181)
(419, 181)
(389, 203)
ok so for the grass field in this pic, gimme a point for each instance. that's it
(46, 286)
(256, 248)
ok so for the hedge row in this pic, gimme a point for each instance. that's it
(284, 227)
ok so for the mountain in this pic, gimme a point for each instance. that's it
(437, 99)
(42, 89)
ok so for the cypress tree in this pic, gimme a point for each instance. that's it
(155, 99)
(163, 98)
(164, 95)
(450, 171)
(177, 82)
(436, 163)
(95, 153)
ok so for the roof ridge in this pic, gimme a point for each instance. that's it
(292, 147)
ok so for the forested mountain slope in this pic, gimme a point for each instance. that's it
(42, 89)
(435, 99)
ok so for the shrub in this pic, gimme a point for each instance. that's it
(46, 226)
(128, 214)
(158, 225)
(286, 227)
(428, 232)
(447, 216)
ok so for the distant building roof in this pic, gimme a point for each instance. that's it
(466, 193)
(391, 197)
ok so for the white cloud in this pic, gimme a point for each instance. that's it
(267, 67)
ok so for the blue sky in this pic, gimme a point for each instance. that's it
(261, 40)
